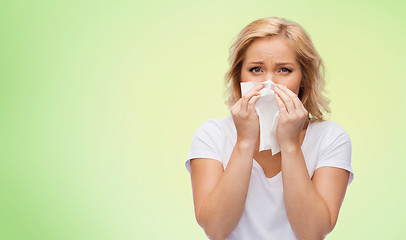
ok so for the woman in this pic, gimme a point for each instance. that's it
(240, 192)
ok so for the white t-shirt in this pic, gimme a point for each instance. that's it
(264, 217)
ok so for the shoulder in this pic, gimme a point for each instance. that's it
(331, 138)
(213, 123)
(328, 130)
(209, 139)
(333, 146)
(215, 126)
(327, 125)
(329, 135)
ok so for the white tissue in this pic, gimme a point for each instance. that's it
(268, 114)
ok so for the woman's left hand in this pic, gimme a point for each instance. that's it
(292, 117)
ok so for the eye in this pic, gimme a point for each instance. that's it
(286, 70)
(255, 70)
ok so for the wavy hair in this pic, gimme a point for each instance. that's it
(311, 64)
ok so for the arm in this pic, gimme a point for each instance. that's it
(312, 206)
(220, 196)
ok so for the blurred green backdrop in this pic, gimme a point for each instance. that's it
(100, 99)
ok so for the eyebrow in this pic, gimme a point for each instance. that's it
(278, 64)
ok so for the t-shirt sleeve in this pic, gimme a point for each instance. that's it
(206, 142)
(337, 151)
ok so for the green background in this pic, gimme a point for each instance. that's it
(99, 101)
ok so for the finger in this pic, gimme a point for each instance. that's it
(305, 111)
(288, 102)
(251, 103)
(252, 92)
(303, 107)
(235, 107)
(293, 96)
(297, 102)
(281, 106)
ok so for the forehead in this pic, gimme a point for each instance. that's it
(273, 48)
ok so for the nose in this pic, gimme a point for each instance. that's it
(268, 76)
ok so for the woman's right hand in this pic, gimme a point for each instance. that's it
(245, 117)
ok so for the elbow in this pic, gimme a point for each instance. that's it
(215, 237)
(317, 232)
(319, 235)
(310, 237)
(214, 233)
(212, 230)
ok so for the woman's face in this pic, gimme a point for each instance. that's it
(271, 58)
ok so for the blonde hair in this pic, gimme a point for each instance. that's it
(311, 64)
